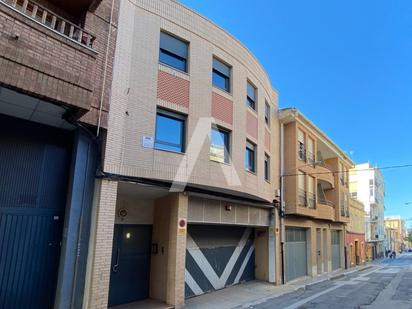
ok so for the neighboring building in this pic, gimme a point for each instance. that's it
(367, 185)
(355, 234)
(55, 59)
(191, 163)
(316, 196)
(396, 233)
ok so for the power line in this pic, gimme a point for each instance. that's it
(358, 170)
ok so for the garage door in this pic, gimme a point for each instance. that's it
(335, 250)
(33, 180)
(295, 253)
(218, 256)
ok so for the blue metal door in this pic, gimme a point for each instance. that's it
(130, 274)
(34, 163)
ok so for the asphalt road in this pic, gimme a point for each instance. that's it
(387, 284)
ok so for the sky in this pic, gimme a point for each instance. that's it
(347, 65)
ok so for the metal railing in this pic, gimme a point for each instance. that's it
(302, 198)
(310, 158)
(301, 152)
(52, 21)
(326, 202)
(311, 200)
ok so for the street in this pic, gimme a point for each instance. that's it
(387, 284)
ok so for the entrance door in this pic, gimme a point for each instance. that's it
(319, 252)
(295, 253)
(335, 250)
(130, 273)
(34, 168)
(357, 257)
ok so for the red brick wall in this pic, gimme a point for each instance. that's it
(222, 108)
(251, 125)
(173, 89)
(350, 240)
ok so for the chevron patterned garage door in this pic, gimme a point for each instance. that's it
(218, 256)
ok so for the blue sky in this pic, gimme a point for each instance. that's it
(346, 64)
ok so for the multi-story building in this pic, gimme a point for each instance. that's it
(367, 186)
(55, 70)
(355, 234)
(395, 233)
(316, 195)
(190, 172)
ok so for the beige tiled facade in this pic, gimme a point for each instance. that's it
(141, 85)
(135, 97)
(315, 189)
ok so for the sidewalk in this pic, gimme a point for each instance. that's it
(255, 292)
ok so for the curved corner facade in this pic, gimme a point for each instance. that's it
(191, 164)
(143, 85)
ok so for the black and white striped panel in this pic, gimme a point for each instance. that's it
(218, 256)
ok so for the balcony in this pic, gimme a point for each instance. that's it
(302, 198)
(325, 173)
(311, 200)
(326, 210)
(326, 202)
(55, 57)
(52, 21)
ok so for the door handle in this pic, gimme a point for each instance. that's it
(115, 267)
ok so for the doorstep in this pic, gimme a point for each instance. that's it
(252, 293)
(144, 304)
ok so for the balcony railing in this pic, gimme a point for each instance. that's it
(301, 152)
(310, 158)
(302, 198)
(311, 200)
(51, 20)
(326, 202)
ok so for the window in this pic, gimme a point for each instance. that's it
(251, 96)
(267, 114)
(170, 131)
(219, 145)
(267, 167)
(354, 195)
(221, 75)
(301, 146)
(173, 52)
(250, 157)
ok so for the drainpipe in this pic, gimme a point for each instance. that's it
(106, 60)
(282, 203)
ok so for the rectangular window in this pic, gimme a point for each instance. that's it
(170, 131)
(301, 146)
(251, 96)
(250, 157)
(173, 52)
(219, 145)
(221, 75)
(267, 167)
(267, 114)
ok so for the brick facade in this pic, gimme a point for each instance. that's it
(55, 68)
(222, 108)
(173, 89)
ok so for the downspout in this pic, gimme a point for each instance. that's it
(106, 60)
(282, 202)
